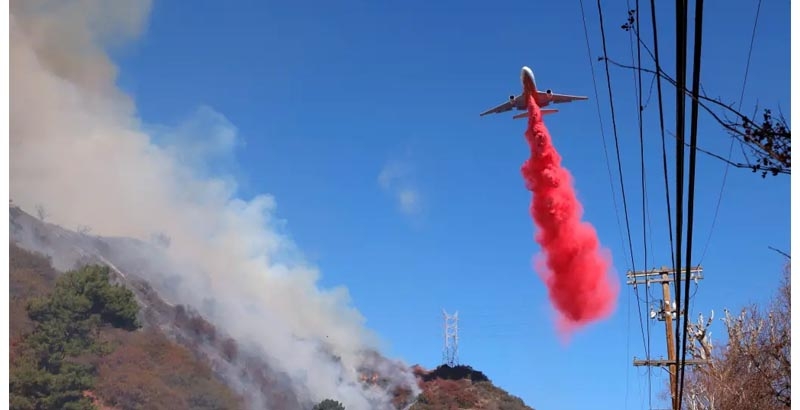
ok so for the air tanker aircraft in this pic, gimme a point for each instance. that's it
(543, 98)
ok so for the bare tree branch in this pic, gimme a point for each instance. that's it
(770, 141)
(756, 167)
(780, 251)
(753, 369)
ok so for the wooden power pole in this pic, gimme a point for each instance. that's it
(665, 276)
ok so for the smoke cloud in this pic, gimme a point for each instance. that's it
(78, 148)
(574, 267)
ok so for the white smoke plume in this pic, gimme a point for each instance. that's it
(78, 148)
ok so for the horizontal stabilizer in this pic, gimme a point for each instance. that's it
(543, 111)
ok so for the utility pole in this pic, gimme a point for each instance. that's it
(666, 313)
(450, 351)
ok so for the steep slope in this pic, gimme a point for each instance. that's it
(30, 276)
(97, 359)
(243, 370)
(144, 268)
(461, 387)
(195, 346)
(197, 349)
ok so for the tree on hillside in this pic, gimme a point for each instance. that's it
(87, 295)
(50, 371)
(329, 404)
(752, 371)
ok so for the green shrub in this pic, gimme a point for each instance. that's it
(46, 372)
(329, 404)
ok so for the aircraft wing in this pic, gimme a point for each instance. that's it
(506, 106)
(562, 98)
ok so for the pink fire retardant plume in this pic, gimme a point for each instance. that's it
(573, 266)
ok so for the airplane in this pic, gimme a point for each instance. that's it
(543, 98)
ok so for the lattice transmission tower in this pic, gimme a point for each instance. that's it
(450, 351)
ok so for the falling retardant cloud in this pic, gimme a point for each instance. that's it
(396, 178)
(575, 267)
(78, 147)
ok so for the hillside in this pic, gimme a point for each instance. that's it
(145, 269)
(75, 340)
(177, 356)
(461, 387)
(131, 263)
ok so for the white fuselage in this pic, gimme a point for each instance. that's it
(529, 88)
(528, 80)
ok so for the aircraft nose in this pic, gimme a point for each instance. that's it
(526, 75)
(526, 71)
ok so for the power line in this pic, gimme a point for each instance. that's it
(698, 42)
(622, 186)
(661, 123)
(650, 88)
(637, 66)
(680, 107)
(733, 140)
(619, 160)
(639, 108)
(610, 179)
(616, 137)
(602, 128)
(780, 252)
(627, 347)
(656, 57)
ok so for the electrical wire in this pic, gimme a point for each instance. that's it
(628, 348)
(611, 183)
(602, 128)
(621, 178)
(639, 108)
(619, 160)
(733, 140)
(616, 136)
(680, 70)
(698, 42)
(602, 133)
(655, 56)
(650, 88)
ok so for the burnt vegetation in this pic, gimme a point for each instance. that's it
(198, 329)
(459, 372)
(329, 404)
(76, 343)
(128, 348)
(461, 387)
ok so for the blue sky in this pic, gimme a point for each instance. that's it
(361, 118)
